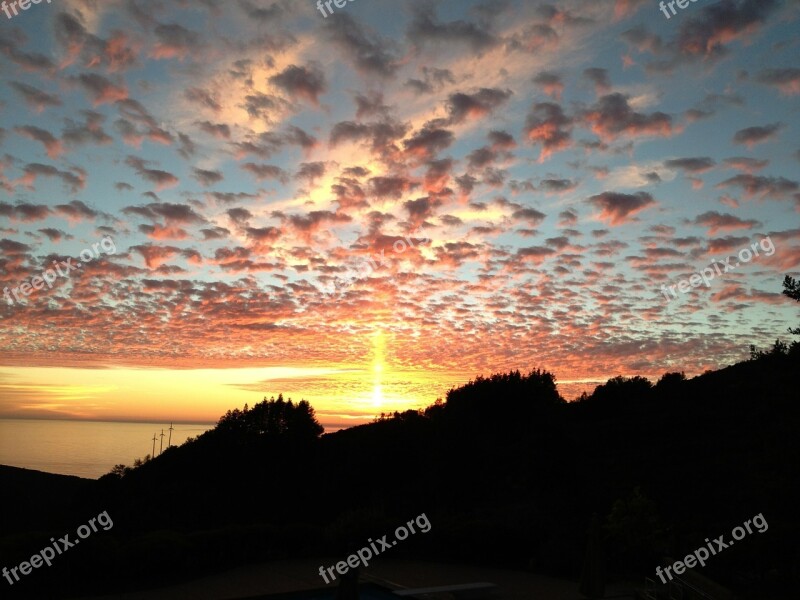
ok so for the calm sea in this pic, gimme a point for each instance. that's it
(83, 448)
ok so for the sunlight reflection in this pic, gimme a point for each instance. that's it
(379, 347)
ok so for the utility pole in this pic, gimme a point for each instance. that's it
(169, 443)
(161, 449)
(153, 455)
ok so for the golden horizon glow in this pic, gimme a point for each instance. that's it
(341, 396)
(379, 354)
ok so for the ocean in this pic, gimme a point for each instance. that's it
(84, 448)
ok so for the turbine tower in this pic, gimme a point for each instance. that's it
(169, 443)
(161, 448)
(153, 455)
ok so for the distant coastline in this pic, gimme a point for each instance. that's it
(84, 448)
(82, 420)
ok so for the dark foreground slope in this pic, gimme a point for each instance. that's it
(34, 499)
(505, 470)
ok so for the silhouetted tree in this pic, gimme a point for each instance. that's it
(791, 289)
(778, 349)
(505, 392)
(435, 410)
(118, 471)
(621, 391)
(273, 418)
(670, 382)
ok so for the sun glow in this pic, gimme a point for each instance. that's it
(378, 355)
(377, 395)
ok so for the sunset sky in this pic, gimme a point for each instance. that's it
(533, 173)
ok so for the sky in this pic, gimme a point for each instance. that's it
(205, 203)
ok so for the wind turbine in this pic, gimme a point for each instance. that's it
(153, 455)
(161, 449)
(169, 443)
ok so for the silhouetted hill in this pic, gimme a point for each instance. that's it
(36, 500)
(507, 472)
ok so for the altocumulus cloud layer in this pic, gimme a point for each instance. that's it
(554, 163)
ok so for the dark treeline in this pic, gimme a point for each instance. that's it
(507, 471)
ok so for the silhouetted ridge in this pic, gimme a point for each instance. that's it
(506, 470)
